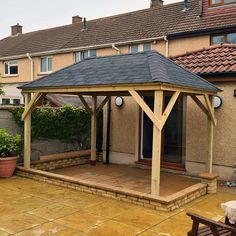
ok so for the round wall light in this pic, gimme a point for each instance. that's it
(217, 102)
(119, 101)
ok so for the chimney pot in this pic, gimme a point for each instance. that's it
(156, 3)
(76, 19)
(16, 29)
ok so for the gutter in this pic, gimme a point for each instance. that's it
(51, 52)
(31, 66)
(116, 48)
(201, 32)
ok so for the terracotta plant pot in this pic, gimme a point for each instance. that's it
(7, 166)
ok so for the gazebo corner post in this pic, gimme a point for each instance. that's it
(210, 127)
(94, 131)
(27, 132)
(156, 144)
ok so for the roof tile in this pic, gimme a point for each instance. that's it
(220, 58)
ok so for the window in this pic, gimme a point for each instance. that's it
(140, 47)
(46, 64)
(16, 102)
(5, 101)
(11, 68)
(80, 56)
(221, 2)
(223, 38)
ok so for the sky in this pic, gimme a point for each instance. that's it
(40, 14)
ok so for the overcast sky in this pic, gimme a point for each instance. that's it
(40, 14)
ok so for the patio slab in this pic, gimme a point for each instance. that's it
(99, 216)
(128, 177)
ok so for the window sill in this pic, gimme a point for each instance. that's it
(9, 76)
(45, 73)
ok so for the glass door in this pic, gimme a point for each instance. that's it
(172, 135)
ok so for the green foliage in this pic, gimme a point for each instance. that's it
(10, 145)
(1, 91)
(67, 123)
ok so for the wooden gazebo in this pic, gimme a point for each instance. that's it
(127, 75)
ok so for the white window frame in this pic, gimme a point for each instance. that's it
(80, 55)
(9, 65)
(47, 69)
(140, 47)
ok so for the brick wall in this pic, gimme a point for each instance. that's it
(60, 163)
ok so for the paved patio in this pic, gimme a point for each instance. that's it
(124, 176)
(33, 208)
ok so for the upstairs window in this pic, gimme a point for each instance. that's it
(140, 47)
(80, 56)
(5, 101)
(45, 64)
(221, 2)
(11, 68)
(223, 38)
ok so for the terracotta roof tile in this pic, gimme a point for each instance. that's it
(167, 20)
(220, 58)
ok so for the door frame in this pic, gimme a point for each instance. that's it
(167, 165)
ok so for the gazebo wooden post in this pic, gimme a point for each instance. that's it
(156, 144)
(94, 131)
(27, 133)
(210, 138)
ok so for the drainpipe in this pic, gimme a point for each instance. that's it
(167, 46)
(108, 132)
(116, 48)
(201, 9)
(31, 66)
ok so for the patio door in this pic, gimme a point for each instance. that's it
(171, 135)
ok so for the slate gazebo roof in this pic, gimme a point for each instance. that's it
(140, 68)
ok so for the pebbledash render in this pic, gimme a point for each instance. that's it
(173, 30)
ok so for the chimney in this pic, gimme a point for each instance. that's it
(156, 3)
(16, 29)
(76, 19)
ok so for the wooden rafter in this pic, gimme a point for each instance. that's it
(146, 108)
(30, 106)
(210, 107)
(169, 108)
(103, 103)
(200, 104)
(88, 109)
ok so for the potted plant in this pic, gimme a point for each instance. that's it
(10, 148)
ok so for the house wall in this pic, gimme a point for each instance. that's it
(224, 152)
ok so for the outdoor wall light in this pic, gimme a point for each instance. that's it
(217, 102)
(119, 101)
(235, 93)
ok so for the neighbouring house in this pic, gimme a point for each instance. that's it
(171, 29)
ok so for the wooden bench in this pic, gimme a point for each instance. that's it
(211, 227)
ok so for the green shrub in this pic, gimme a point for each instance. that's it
(67, 123)
(10, 145)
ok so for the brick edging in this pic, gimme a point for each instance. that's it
(168, 203)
